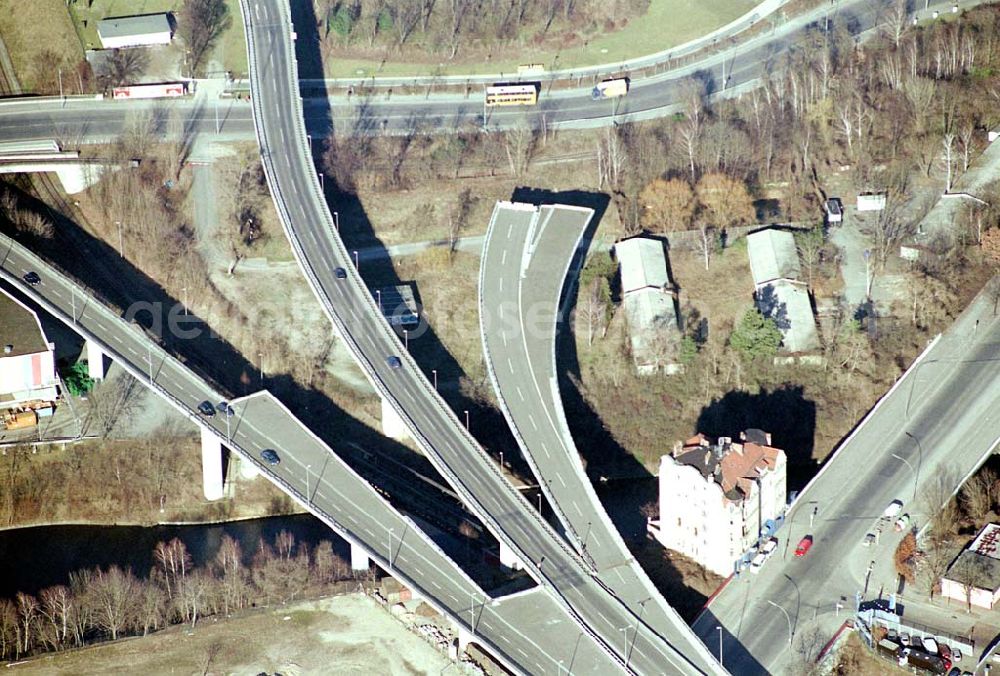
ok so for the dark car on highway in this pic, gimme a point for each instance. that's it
(270, 456)
(206, 409)
(394, 362)
(340, 273)
(32, 278)
(226, 409)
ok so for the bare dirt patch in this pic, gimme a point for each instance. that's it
(351, 632)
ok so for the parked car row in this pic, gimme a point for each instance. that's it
(763, 554)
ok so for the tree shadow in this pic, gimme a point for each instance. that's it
(784, 412)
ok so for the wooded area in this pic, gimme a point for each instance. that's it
(100, 604)
(443, 28)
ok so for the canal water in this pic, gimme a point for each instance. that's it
(38, 557)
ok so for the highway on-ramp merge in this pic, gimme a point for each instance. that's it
(454, 452)
(527, 258)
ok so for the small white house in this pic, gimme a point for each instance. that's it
(27, 363)
(974, 576)
(871, 201)
(134, 31)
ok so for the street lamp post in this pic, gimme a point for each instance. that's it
(261, 355)
(501, 462)
(185, 290)
(149, 360)
(121, 247)
(466, 411)
(435, 372)
(406, 339)
(322, 181)
(720, 644)
(391, 531)
(308, 467)
(624, 631)
(336, 220)
(378, 295)
(787, 619)
(907, 463)
(357, 265)
(868, 273)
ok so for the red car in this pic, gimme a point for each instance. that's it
(804, 545)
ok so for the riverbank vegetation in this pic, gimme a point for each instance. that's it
(137, 481)
(108, 604)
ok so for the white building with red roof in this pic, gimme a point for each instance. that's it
(719, 497)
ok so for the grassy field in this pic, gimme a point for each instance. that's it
(348, 634)
(230, 50)
(31, 28)
(666, 24)
(86, 19)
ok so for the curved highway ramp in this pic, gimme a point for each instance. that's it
(526, 259)
(568, 581)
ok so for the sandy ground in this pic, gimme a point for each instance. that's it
(343, 635)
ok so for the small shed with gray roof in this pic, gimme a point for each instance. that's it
(134, 31)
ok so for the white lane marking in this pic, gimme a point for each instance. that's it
(559, 476)
(577, 508)
(606, 620)
(503, 334)
(510, 365)
(435, 585)
(546, 449)
(520, 393)
(531, 419)
(501, 285)
(503, 259)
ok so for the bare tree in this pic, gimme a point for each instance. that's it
(948, 157)
(977, 494)
(124, 67)
(174, 562)
(27, 615)
(9, 634)
(202, 22)
(706, 240)
(113, 596)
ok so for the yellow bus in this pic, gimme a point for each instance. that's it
(525, 94)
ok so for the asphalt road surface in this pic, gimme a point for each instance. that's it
(938, 425)
(461, 461)
(528, 255)
(316, 477)
(729, 72)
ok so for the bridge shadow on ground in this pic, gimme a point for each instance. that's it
(462, 391)
(381, 461)
(736, 659)
(784, 412)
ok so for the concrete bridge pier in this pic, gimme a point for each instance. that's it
(248, 470)
(509, 558)
(392, 425)
(211, 465)
(95, 361)
(359, 558)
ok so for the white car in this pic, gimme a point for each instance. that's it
(758, 562)
(893, 509)
(902, 523)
